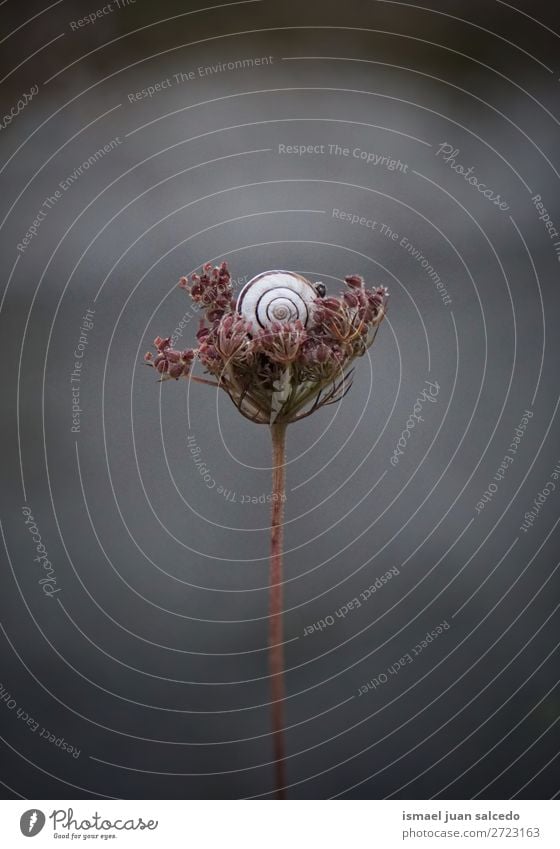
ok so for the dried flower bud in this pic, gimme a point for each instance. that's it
(168, 362)
(354, 281)
(210, 290)
(351, 299)
(161, 344)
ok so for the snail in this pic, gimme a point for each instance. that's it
(281, 296)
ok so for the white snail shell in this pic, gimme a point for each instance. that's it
(281, 296)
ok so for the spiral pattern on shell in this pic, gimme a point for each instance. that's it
(276, 296)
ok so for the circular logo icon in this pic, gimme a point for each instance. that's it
(31, 822)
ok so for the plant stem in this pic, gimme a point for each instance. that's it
(276, 636)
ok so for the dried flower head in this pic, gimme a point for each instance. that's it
(281, 350)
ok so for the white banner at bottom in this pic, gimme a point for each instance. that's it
(279, 825)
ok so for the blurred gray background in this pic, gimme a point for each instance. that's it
(150, 658)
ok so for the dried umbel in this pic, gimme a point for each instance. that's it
(281, 350)
(170, 363)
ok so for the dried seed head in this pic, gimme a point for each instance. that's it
(169, 363)
(281, 342)
(284, 369)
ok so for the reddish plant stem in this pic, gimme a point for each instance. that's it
(276, 633)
